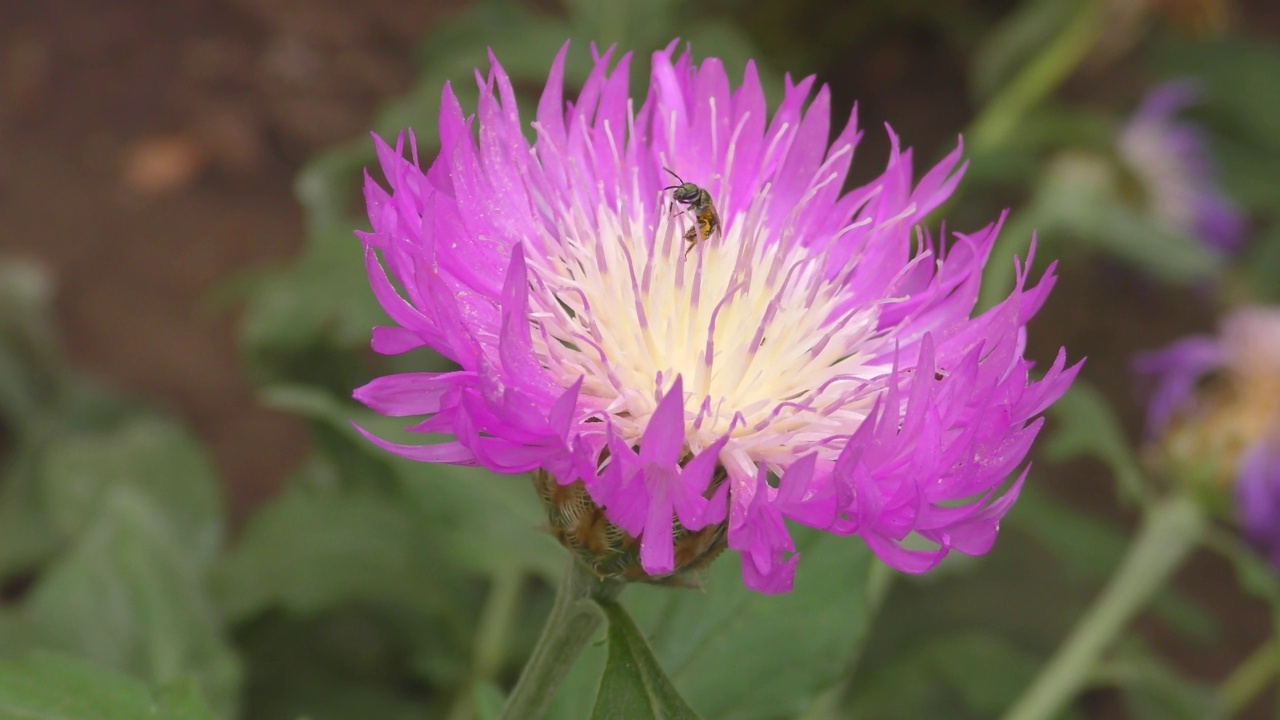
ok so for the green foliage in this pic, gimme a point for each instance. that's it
(634, 685)
(1258, 269)
(487, 701)
(1080, 198)
(484, 522)
(110, 519)
(1015, 39)
(309, 553)
(139, 521)
(1089, 549)
(1087, 426)
(957, 676)
(1240, 78)
(51, 687)
(739, 655)
(1154, 691)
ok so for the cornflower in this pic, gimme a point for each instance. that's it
(679, 380)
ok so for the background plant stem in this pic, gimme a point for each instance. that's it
(1038, 79)
(1250, 678)
(1170, 531)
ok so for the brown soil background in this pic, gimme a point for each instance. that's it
(147, 151)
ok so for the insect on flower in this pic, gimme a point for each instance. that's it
(698, 201)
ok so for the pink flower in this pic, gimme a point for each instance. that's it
(814, 336)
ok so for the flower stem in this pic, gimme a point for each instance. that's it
(1250, 678)
(1037, 79)
(573, 620)
(496, 617)
(1169, 533)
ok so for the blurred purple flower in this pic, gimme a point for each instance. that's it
(1230, 427)
(1171, 160)
(817, 336)
(1258, 497)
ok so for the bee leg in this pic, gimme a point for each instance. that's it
(691, 236)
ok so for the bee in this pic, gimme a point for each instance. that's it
(698, 201)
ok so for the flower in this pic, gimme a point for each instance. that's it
(1215, 415)
(1173, 165)
(1258, 498)
(811, 357)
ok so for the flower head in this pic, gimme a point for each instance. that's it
(808, 355)
(1215, 415)
(1258, 498)
(1172, 163)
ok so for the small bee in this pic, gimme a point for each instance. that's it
(698, 201)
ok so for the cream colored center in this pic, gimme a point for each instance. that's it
(751, 332)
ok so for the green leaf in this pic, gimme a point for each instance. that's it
(128, 595)
(346, 664)
(27, 536)
(182, 699)
(634, 685)
(1014, 40)
(1240, 76)
(1154, 691)
(479, 520)
(1258, 269)
(1247, 172)
(136, 514)
(574, 699)
(962, 675)
(1087, 426)
(303, 323)
(357, 462)
(736, 654)
(1015, 602)
(52, 687)
(150, 455)
(487, 700)
(1090, 549)
(1254, 573)
(1080, 197)
(311, 552)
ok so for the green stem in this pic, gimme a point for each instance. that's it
(573, 620)
(1250, 678)
(1170, 532)
(499, 612)
(1037, 79)
(495, 624)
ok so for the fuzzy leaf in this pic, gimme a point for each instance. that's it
(740, 655)
(52, 687)
(634, 686)
(479, 520)
(311, 552)
(126, 595)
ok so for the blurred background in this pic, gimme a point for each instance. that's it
(182, 296)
